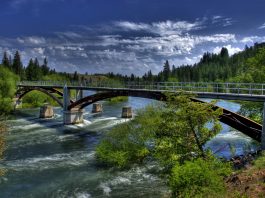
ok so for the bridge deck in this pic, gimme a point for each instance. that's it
(240, 94)
(250, 92)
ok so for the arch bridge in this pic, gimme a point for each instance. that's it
(73, 109)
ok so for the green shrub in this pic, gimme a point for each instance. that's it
(118, 99)
(259, 163)
(122, 145)
(199, 178)
(129, 143)
(37, 99)
(7, 89)
(2, 143)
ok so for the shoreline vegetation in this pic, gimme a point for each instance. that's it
(173, 135)
(2, 143)
(158, 134)
(118, 99)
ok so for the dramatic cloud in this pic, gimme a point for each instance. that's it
(160, 28)
(127, 47)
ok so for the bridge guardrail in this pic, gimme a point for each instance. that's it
(235, 88)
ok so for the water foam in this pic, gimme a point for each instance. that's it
(83, 195)
(77, 158)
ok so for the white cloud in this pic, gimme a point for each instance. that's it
(221, 20)
(252, 39)
(262, 26)
(32, 40)
(126, 25)
(161, 28)
(231, 50)
(39, 50)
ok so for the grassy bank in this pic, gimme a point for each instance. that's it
(118, 99)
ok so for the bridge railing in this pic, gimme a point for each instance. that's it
(235, 88)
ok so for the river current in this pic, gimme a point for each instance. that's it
(46, 159)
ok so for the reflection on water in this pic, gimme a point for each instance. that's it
(46, 159)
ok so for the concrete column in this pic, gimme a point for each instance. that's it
(66, 98)
(263, 130)
(97, 108)
(126, 112)
(75, 116)
(46, 111)
(79, 94)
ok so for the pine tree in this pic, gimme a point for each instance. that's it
(149, 75)
(17, 66)
(166, 71)
(75, 77)
(224, 53)
(10, 61)
(45, 68)
(5, 60)
(30, 70)
(132, 78)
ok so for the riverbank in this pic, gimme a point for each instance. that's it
(250, 180)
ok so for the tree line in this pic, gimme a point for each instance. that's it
(33, 71)
(211, 68)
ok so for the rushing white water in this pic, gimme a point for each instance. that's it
(46, 159)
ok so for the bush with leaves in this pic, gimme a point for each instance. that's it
(173, 134)
(7, 89)
(2, 143)
(199, 178)
(130, 142)
(37, 99)
(184, 130)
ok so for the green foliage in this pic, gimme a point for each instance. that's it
(36, 99)
(199, 178)
(118, 99)
(33, 71)
(252, 110)
(174, 135)
(183, 130)
(166, 70)
(56, 77)
(129, 142)
(245, 66)
(2, 143)
(5, 61)
(7, 89)
(259, 163)
(171, 134)
(17, 66)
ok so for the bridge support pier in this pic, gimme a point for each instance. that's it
(126, 112)
(79, 94)
(97, 108)
(263, 130)
(46, 111)
(17, 103)
(74, 116)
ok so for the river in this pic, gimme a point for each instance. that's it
(46, 159)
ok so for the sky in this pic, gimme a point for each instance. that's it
(127, 36)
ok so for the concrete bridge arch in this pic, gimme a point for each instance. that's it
(49, 92)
